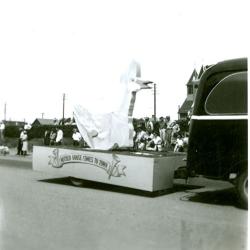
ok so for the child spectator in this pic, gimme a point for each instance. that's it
(179, 145)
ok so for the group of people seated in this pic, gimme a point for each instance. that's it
(161, 135)
(145, 140)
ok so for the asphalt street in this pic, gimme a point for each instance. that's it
(44, 211)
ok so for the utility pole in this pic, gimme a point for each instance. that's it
(5, 105)
(42, 115)
(154, 101)
(63, 108)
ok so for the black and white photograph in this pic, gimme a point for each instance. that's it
(124, 125)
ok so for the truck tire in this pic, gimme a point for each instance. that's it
(242, 189)
(76, 182)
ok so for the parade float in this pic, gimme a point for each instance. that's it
(109, 136)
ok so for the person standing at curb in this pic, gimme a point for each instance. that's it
(20, 143)
(25, 142)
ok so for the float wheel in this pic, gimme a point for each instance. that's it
(242, 189)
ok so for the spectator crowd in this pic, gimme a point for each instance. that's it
(55, 137)
(159, 135)
(150, 134)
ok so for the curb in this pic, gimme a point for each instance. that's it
(13, 156)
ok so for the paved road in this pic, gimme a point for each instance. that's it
(41, 211)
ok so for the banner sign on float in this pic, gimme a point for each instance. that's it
(114, 168)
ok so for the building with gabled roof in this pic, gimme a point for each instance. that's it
(191, 90)
(42, 121)
(14, 123)
(192, 86)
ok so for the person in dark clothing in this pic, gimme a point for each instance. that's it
(47, 138)
(52, 137)
(19, 147)
(20, 142)
(156, 126)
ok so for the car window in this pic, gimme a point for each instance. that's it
(229, 96)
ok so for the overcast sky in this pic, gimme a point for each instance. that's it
(81, 48)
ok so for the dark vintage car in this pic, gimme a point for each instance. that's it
(218, 142)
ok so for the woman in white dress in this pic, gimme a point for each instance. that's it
(24, 139)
